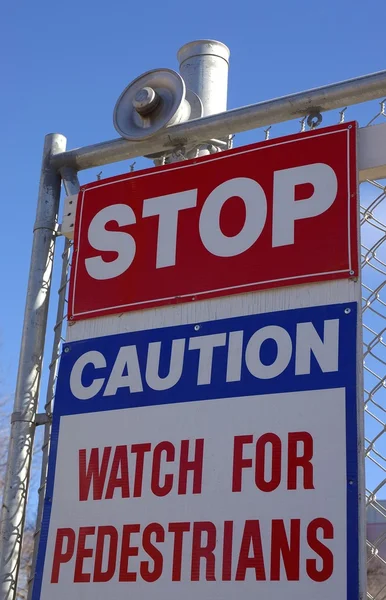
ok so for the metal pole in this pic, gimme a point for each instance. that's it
(344, 93)
(204, 66)
(70, 180)
(30, 368)
(71, 185)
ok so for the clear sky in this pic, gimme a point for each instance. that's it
(64, 65)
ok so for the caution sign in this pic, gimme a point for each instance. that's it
(214, 460)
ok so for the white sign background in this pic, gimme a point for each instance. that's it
(321, 413)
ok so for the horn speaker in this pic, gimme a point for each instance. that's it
(152, 102)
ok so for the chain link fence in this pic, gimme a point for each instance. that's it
(373, 262)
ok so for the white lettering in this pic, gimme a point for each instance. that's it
(235, 356)
(307, 349)
(168, 208)
(252, 194)
(205, 344)
(97, 360)
(114, 241)
(326, 352)
(287, 210)
(127, 359)
(283, 356)
(175, 369)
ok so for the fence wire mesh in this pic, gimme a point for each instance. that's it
(48, 405)
(373, 263)
(373, 273)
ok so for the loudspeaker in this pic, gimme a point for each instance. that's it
(153, 101)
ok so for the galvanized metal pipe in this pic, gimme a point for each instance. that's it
(53, 368)
(204, 67)
(30, 368)
(71, 185)
(345, 93)
(70, 180)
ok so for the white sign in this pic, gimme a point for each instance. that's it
(206, 460)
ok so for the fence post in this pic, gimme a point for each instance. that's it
(71, 186)
(30, 368)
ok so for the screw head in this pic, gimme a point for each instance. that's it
(67, 349)
(145, 100)
(347, 311)
(197, 327)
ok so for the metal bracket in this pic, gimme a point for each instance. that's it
(40, 418)
(17, 417)
(43, 419)
(69, 213)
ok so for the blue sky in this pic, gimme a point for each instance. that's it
(64, 64)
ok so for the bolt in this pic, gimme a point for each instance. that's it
(67, 349)
(197, 327)
(314, 120)
(347, 311)
(145, 101)
(351, 272)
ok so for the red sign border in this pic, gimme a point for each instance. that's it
(349, 128)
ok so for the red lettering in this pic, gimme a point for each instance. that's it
(261, 482)
(240, 463)
(156, 487)
(126, 552)
(105, 531)
(120, 465)
(153, 552)
(251, 535)
(288, 551)
(92, 473)
(140, 450)
(319, 548)
(81, 553)
(227, 551)
(194, 465)
(303, 461)
(60, 555)
(203, 551)
(178, 529)
(285, 552)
